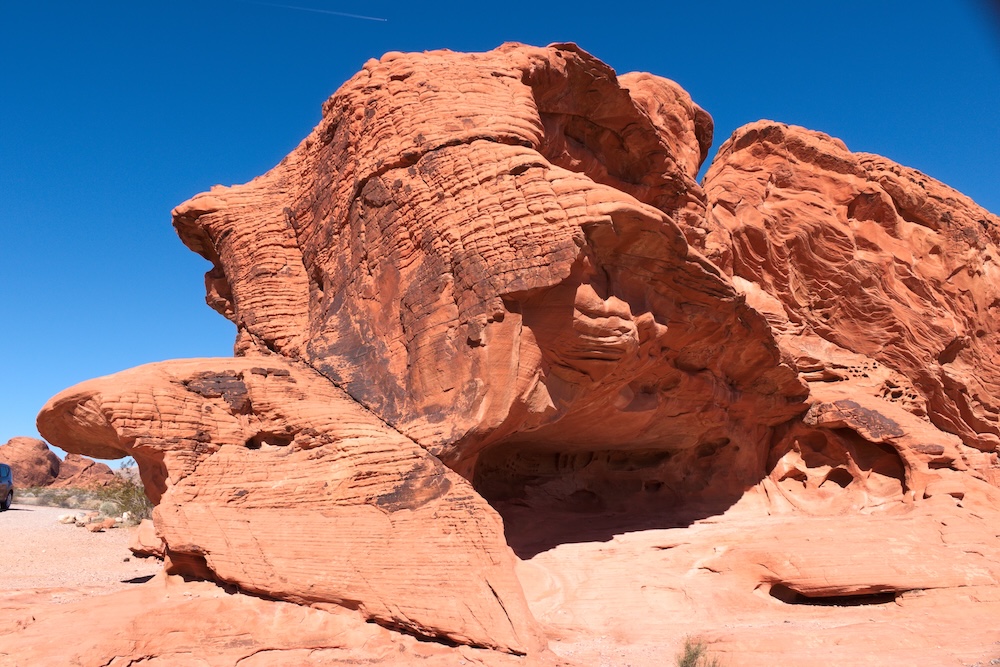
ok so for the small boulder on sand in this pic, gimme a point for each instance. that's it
(145, 542)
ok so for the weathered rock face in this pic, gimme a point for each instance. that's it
(174, 622)
(493, 277)
(144, 542)
(34, 464)
(267, 476)
(78, 471)
(873, 257)
(485, 249)
(31, 461)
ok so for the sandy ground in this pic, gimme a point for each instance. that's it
(43, 553)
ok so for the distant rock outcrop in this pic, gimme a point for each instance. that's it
(78, 471)
(31, 461)
(34, 464)
(490, 285)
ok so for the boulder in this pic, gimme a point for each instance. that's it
(873, 258)
(31, 461)
(497, 260)
(268, 477)
(144, 542)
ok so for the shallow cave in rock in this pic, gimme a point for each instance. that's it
(268, 438)
(549, 497)
(788, 595)
(828, 470)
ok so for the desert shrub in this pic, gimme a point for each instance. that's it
(128, 495)
(108, 508)
(25, 496)
(696, 655)
(69, 498)
(57, 497)
(124, 494)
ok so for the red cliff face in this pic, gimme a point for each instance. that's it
(489, 285)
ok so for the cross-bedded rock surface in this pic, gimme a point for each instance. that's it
(268, 477)
(490, 285)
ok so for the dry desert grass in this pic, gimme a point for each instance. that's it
(124, 495)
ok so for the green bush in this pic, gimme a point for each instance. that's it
(695, 655)
(128, 495)
(124, 494)
(108, 508)
(70, 498)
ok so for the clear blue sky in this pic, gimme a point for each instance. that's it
(113, 112)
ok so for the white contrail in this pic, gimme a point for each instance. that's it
(317, 11)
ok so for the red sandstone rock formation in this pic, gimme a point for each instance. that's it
(180, 623)
(874, 258)
(144, 542)
(34, 464)
(268, 477)
(31, 461)
(762, 407)
(495, 259)
(80, 472)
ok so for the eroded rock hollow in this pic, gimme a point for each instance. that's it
(487, 316)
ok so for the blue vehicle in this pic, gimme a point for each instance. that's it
(6, 487)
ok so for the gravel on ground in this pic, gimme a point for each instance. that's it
(43, 553)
